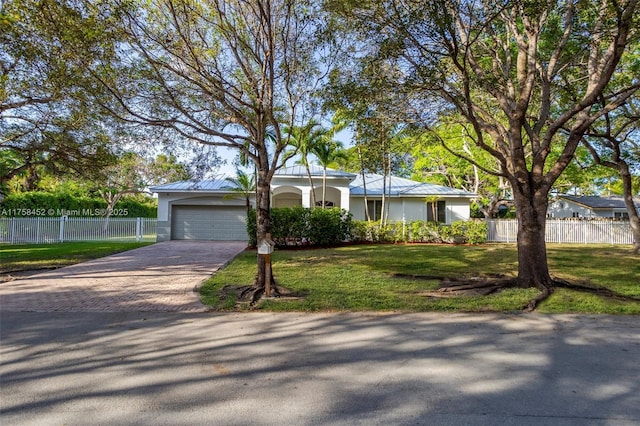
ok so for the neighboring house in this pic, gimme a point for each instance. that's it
(203, 210)
(588, 207)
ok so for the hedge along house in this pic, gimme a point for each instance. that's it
(207, 210)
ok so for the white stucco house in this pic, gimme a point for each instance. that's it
(206, 210)
(574, 206)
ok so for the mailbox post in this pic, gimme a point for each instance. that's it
(265, 248)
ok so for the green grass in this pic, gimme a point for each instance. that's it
(25, 257)
(360, 278)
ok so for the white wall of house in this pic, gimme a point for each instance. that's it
(458, 209)
(563, 209)
(407, 209)
(285, 189)
(357, 208)
(411, 209)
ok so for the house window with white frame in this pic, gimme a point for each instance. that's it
(436, 212)
(375, 209)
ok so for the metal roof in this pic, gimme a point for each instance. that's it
(598, 203)
(194, 185)
(374, 184)
(301, 171)
(400, 186)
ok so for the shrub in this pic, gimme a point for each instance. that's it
(289, 225)
(422, 231)
(376, 233)
(327, 227)
(477, 232)
(30, 201)
(137, 208)
(459, 232)
(301, 226)
(252, 227)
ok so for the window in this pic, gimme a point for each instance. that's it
(375, 209)
(621, 215)
(436, 212)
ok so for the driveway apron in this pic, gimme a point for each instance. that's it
(161, 277)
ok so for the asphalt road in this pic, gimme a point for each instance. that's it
(168, 368)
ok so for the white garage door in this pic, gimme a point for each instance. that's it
(226, 223)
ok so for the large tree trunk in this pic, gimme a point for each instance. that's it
(263, 218)
(634, 219)
(533, 269)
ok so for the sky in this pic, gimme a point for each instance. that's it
(229, 154)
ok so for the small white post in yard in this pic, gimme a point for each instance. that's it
(265, 248)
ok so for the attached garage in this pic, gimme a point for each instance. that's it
(212, 223)
(201, 210)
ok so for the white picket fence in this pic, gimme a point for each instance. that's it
(590, 231)
(35, 230)
(15, 230)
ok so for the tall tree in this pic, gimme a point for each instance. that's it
(164, 169)
(433, 163)
(380, 119)
(216, 72)
(614, 142)
(44, 122)
(303, 140)
(244, 185)
(326, 152)
(134, 174)
(527, 77)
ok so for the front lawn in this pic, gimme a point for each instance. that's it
(365, 278)
(31, 257)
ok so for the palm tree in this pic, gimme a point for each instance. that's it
(342, 119)
(303, 139)
(327, 152)
(245, 185)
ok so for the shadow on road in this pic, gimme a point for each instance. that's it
(318, 369)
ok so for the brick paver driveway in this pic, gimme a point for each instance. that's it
(159, 277)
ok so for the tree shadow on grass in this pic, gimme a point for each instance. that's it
(493, 283)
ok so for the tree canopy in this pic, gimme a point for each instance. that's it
(226, 73)
(527, 78)
(44, 121)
